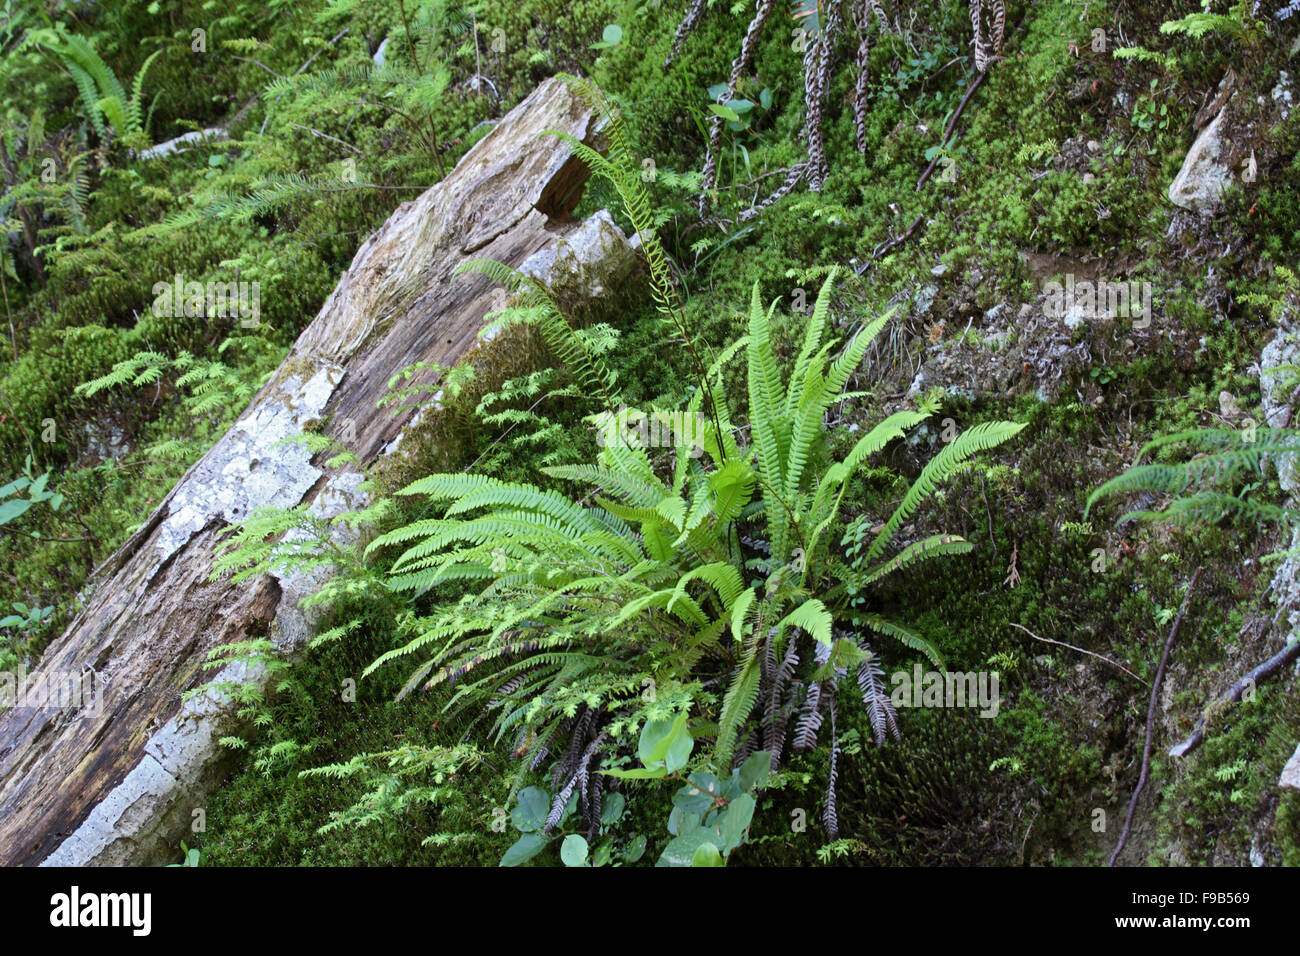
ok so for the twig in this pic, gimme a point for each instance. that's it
(433, 130)
(1151, 719)
(947, 130)
(37, 537)
(1235, 693)
(335, 139)
(249, 59)
(266, 119)
(888, 246)
(1103, 659)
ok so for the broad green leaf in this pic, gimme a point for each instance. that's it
(707, 855)
(12, 509)
(680, 850)
(695, 797)
(524, 849)
(737, 818)
(612, 809)
(573, 851)
(657, 736)
(531, 812)
(635, 849)
(754, 771)
(682, 821)
(679, 747)
(637, 773)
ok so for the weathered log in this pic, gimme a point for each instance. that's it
(117, 783)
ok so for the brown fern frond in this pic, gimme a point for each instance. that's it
(988, 48)
(792, 179)
(762, 13)
(880, 709)
(830, 815)
(860, 93)
(810, 719)
(689, 22)
(778, 716)
(819, 61)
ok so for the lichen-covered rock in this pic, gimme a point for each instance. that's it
(117, 784)
(1290, 779)
(1200, 183)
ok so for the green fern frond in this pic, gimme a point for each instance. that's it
(952, 459)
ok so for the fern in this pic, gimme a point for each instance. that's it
(1223, 457)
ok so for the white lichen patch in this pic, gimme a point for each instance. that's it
(251, 466)
(295, 624)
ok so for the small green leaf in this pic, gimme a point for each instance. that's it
(725, 112)
(638, 773)
(612, 34)
(612, 809)
(12, 509)
(635, 849)
(534, 806)
(573, 851)
(707, 855)
(738, 816)
(753, 773)
(524, 849)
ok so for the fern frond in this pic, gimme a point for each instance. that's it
(953, 458)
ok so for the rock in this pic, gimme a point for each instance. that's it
(1282, 94)
(1290, 779)
(1276, 361)
(106, 442)
(1200, 183)
(117, 783)
(380, 54)
(1256, 852)
(924, 301)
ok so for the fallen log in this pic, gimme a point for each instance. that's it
(114, 780)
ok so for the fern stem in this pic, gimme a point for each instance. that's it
(433, 130)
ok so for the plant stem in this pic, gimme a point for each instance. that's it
(433, 130)
(1151, 719)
